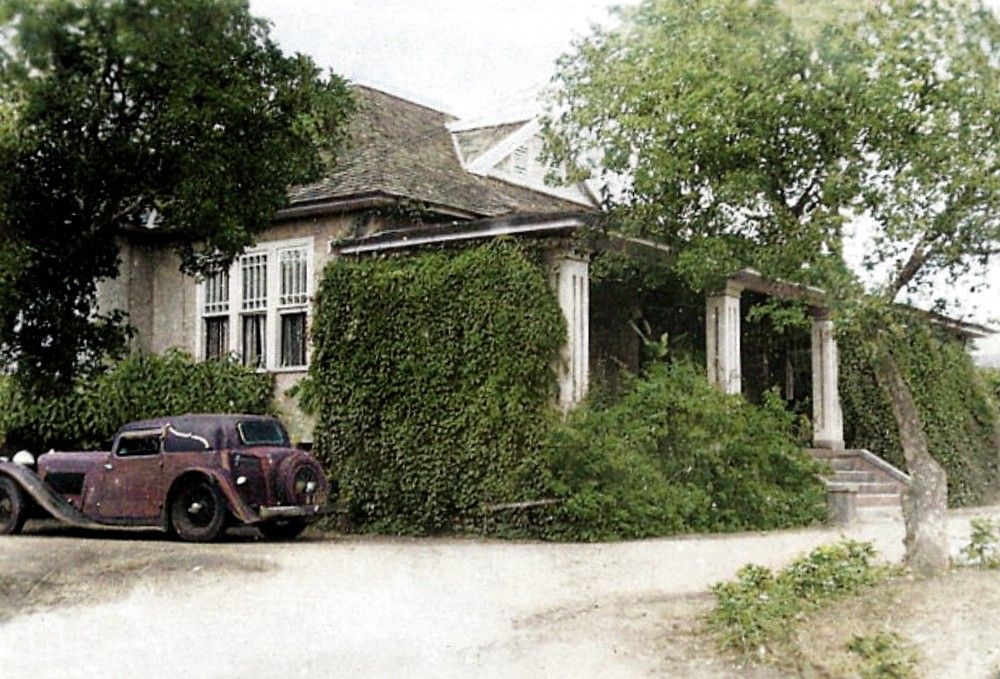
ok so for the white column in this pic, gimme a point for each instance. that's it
(828, 419)
(570, 279)
(722, 339)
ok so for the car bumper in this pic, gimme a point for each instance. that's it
(290, 512)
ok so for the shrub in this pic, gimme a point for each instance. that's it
(677, 455)
(138, 387)
(432, 383)
(959, 417)
(754, 614)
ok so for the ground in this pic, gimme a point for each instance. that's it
(139, 605)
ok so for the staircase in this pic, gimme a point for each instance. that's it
(879, 484)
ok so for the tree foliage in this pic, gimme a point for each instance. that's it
(119, 115)
(745, 133)
(748, 132)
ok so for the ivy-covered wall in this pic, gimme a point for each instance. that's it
(959, 417)
(138, 387)
(432, 383)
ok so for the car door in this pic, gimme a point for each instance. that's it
(132, 488)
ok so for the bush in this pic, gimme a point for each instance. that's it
(755, 613)
(138, 387)
(676, 455)
(432, 383)
(959, 417)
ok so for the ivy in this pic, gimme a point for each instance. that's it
(961, 422)
(139, 387)
(432, 382)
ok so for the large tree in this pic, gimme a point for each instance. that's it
(178, 115)
(750, 132)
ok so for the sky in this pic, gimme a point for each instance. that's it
(473, 58)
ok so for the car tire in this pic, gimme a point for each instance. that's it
(13, 507)
(281, 529)
(198, 512)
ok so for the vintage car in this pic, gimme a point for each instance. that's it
(190, 475)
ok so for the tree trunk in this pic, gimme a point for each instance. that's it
(925, 502)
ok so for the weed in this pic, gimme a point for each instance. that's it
(883, 655)
(983, 550)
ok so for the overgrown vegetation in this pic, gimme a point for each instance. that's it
(138, 387)
(960, 419)
(755, 614)
(983, 550)
(432, 383)
(447, 421)
(991, 376)
(674, 455)
(883, 655)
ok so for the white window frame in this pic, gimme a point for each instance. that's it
(273, 309)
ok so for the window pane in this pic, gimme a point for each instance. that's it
(216, 338)
(254, 340)
(254, 269)
(216, 293)
(293, 339)
(262, 433)
(294, 277)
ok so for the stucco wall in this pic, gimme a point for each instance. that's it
(162, 303)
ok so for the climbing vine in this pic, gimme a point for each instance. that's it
(959, 417)
(432, 383)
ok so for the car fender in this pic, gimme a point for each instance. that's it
(240, 509)
(46, 498)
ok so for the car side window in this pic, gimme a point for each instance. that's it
(132, 446)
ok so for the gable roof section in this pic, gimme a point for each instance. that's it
(400, 150)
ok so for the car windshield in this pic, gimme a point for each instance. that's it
(262, 433)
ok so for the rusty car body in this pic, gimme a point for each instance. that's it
(189, 475)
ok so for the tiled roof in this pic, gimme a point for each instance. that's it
(402, 149)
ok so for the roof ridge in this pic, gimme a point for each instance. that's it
(405, 100)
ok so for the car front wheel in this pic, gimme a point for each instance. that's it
(198, 512)
(12, 507)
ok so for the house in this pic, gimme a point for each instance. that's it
(406, 165)
(413, 176)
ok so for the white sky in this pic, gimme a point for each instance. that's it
(469, 58)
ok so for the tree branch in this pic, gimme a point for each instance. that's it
(906, 273)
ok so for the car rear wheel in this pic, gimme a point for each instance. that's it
(13, 511)
(282, 529)
(198, 512)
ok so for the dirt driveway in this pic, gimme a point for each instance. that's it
(96, 606)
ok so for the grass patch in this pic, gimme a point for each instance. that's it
(755, 615)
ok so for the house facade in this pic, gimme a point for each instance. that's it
(408, 170)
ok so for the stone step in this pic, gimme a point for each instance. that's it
(878, 488)
(854, 476)
(879, 499)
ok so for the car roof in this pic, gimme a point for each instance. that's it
(214, 427)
